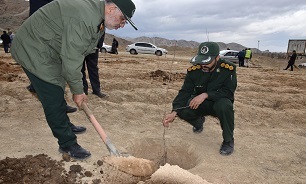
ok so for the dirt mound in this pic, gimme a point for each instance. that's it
(9, 71)
(34, 169)
(165, 76)
(43, 169)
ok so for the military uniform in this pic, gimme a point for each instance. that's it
(51, 46)
(220, 86)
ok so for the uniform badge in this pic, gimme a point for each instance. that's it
(102, 27)
(194, 67)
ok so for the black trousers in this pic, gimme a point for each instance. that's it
(54, 105)
(289, 65)
(91, 63)
(241, 61)
(222, 109)
(6, 48)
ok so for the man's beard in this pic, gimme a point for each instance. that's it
(209, 69)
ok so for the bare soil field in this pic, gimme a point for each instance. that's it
(270, 124)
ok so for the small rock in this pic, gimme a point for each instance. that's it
(66, 157)
(88, 174)
(100, 162)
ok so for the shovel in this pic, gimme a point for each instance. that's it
(131, 166)
(111, 148)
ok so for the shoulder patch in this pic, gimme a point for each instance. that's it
(227, 66)
(194, 67)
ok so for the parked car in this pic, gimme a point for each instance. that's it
(145, 48)
(230, 55)
(105, 48)
(302, 65)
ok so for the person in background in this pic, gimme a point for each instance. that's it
(248, 56)
(51, 52)
(91, 63)
(11, 34)
(208, 89)
(34, 6)
(6, 41)
(241, 56)
(115, 45)
(291, 60)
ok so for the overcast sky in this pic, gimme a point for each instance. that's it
(267, 23)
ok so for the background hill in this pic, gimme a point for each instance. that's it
(14, 12)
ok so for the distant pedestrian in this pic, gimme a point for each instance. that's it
(241, 56)
(291, 60)
(6, 41)
(115, 45)
(11, 34)
(248, 56)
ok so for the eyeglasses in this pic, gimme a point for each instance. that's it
(123, 20)
(122, 17)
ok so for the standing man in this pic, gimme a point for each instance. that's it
(91, 63)
(241, 56)
(51, 46)
(6, 41)
(115, 45)
(291, 60)
(248, 56)
(208, 89)
(34, 6)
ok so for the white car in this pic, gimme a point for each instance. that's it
(105, 48)
(302, 65)
(145, 48)
(230, 55)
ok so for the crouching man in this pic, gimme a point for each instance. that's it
(208, 89)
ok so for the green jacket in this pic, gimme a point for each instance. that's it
(220, 83)
(53, 42)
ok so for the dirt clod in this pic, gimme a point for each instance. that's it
(75, 168)
(66, 157)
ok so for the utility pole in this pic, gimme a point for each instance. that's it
(258, 45)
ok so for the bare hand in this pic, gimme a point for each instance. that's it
(169, 118)
(196, 101)
(79, 99)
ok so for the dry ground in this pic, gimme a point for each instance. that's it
(270, 137)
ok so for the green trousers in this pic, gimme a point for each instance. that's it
(222, 109)
(54, 104)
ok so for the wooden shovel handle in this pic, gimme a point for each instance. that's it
(94, 122)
